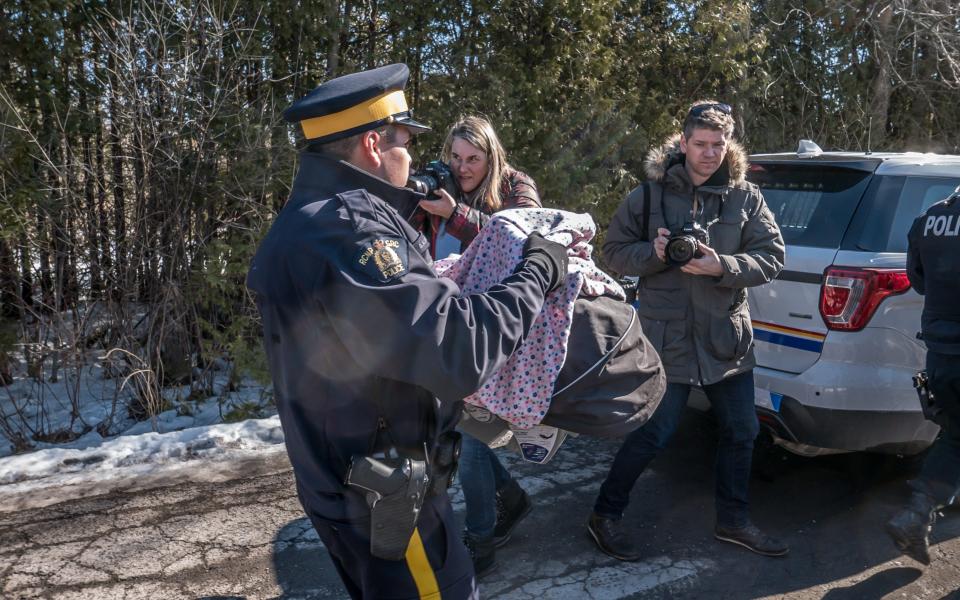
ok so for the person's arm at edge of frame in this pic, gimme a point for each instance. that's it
(623, 250)
(763, 251)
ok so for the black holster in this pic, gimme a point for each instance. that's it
(395, 489)
(928, 402)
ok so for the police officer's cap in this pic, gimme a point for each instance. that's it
(355, 103)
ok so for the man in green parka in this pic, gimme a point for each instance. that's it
(697, 235)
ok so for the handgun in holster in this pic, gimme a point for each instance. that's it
(928, 403)
(395, 489)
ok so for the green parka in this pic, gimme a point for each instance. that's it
(699, 324)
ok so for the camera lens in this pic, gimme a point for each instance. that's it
(680, 250)
(423, 183)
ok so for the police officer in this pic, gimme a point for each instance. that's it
(933, 266)
(371, 352)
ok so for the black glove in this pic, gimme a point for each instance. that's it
(549, 257)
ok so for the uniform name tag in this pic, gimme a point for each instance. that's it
(384, 259)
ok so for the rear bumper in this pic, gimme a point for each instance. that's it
(874, 431)
(876, 410)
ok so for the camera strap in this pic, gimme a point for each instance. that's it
(645, 224)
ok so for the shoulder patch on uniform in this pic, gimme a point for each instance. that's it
(383, 258)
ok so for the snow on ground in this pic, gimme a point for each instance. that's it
(88, 398)
(207, 453)
(191, 440)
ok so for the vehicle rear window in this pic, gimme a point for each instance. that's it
(813, 204)
(891, 205)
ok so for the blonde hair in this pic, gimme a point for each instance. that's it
(478, 132)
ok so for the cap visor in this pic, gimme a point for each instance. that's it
(414, 126)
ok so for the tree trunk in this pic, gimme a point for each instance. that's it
(9, 296)
(372, 35)
(89, 212)
(335, 29)
(26, 275)
(882, 87)
(119, 279)
(43, 251)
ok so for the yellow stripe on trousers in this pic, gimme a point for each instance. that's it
(420, 568)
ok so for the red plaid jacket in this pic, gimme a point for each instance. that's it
(517, 189)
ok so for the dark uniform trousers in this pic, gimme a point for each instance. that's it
(940, 476)
(933, 267)
(435, 560)
(369, 350)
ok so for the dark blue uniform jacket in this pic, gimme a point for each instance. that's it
(933, 267)
(367, 347)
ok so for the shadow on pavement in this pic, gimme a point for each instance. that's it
(877, 586)
(302, 566)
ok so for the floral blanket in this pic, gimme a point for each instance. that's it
(520, 391)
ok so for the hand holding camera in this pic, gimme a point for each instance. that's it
(684, 245)
(688, 250)
(707, 264)
(660, 243)
(437, 183)
(440, 203)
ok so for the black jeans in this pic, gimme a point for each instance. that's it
(940, 476)
(733, 405)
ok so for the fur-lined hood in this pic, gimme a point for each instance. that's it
(659, 160)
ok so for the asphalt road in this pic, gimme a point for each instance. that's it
(247, 538)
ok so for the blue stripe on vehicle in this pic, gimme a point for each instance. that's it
(788, 340)
(775, 400)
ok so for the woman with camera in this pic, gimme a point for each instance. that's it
(487, 183)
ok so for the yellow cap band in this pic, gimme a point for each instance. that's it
(371, 111)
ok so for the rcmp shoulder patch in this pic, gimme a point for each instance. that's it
(384, 259)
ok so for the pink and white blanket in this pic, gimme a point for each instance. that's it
(520, 391)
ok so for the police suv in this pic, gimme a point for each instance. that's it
(837, 333)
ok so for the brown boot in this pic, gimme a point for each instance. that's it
(611, 539)
(753, 539)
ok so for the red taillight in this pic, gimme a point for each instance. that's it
(851, 295)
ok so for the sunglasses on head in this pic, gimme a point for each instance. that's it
(699, 109)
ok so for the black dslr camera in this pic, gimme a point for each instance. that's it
(436, 175)
(684, 245)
